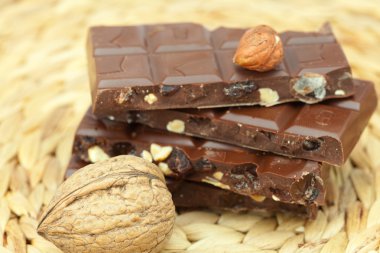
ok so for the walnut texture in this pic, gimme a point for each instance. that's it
(118, 205)
(260, 48)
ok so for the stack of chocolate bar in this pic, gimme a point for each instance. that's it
(171, 94)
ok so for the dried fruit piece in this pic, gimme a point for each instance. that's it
(260, 48)
(168, 90)
(160, 153)
(268, 96)
(150, 98)
(176, 126)
(120, 205)
(96, 154)
(240, 89)
(311, 87)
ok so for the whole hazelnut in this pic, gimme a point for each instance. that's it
(260, 49)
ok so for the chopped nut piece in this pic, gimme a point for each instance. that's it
(275, 198)
(268, 96)
(212, 181)
(96, 154)
(258, 198)
(160, 153)
(164, 167)
(340, 92)
(218, 175)
(176, 126)
(150, 98)
(146, 156)
(311, 86)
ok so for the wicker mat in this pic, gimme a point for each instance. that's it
(44, 92)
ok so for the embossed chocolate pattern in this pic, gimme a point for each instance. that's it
(187, 66)
(325, 132)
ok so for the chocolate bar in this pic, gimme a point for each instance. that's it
(190, 195)
(240, 170)
(325, 132)
(185, 65)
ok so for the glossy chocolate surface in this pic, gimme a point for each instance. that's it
(184, 65)
(240, 170)
(325, 132)
(192, 195)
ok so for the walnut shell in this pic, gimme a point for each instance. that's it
(260, 49)
(118, 205)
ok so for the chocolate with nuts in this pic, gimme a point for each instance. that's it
(187, 66)
(240, 170)
(191, 195)
(326, 132)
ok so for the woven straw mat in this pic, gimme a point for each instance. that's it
(44, 92)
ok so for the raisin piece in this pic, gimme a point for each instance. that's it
(122, 148)
(311, 145)
(179, 163)
(238, 90)
(167, 90)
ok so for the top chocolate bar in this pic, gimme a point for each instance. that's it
(187, 66)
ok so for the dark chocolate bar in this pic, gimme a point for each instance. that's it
(192, 195)
(187, 66)
(325, 132)
(240, 170)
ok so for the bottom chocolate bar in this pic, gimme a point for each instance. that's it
(246, 172)
(192, 195)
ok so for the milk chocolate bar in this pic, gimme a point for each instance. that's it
(191, 195)
(325, 132)
(184, 65)
(240, 170)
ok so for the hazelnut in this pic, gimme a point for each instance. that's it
(268, 96)
(96, 154)
(160, 153)
(260, 49)
(150, 98)
(146, 156)
(176, 126)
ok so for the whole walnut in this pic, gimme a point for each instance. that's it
(260, 49)
(118, 205)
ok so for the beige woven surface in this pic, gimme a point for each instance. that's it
(44, 92)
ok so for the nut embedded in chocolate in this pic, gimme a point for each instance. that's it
(260, 48)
